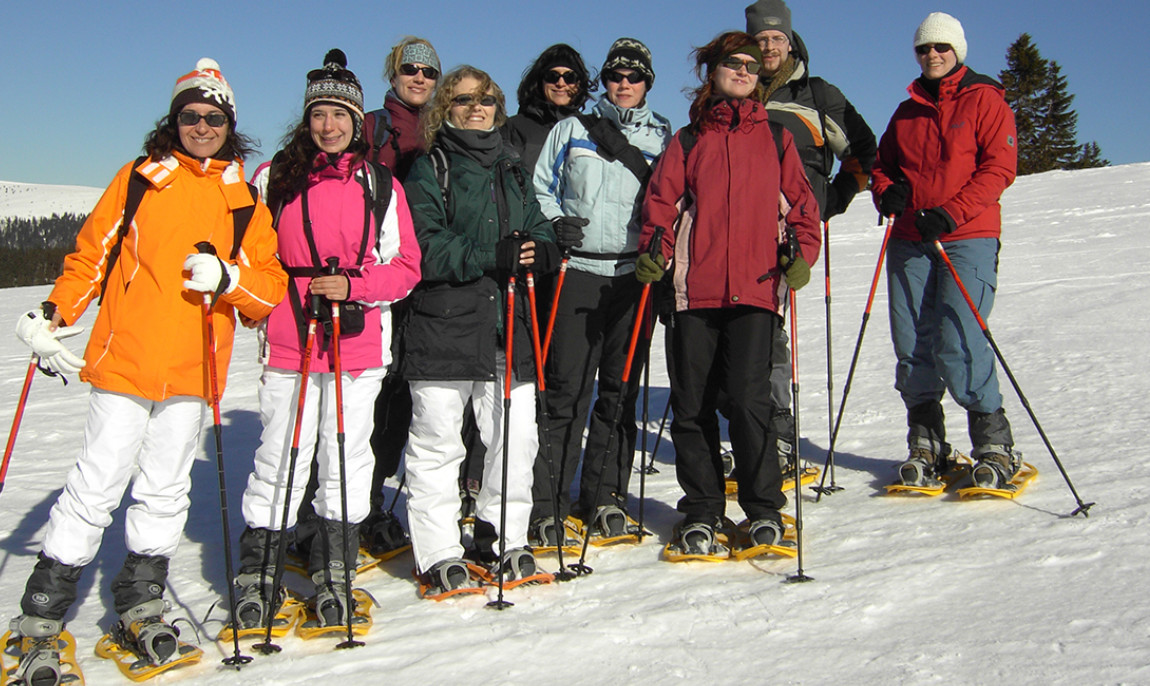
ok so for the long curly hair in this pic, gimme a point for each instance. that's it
(165, 138)
(706, 61)
(435, 114)
(530, 90)
(288, 174)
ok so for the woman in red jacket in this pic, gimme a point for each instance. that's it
(945, 159)
(744, 199)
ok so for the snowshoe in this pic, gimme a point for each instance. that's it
(518, 569)
(766, 537)
(327, 614)
(807, 476)
(922, 475)
(998, 475)
(697, 541)
(611, 525)
(253, 608)
(39, 652)
(919, 470)
(143, 645)
(448, 578)
(384, 536)
(542, 535)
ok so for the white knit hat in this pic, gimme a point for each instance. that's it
(940, 27)
(204, 84)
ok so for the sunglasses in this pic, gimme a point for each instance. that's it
(191, 118)
(467, 100)
(940, 48)
(411, 70)
(617, 77)
(735, 64)
(567, 77)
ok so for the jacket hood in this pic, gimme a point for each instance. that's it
(730, 114)
(964, 78)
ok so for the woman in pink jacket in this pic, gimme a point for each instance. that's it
(328, 204)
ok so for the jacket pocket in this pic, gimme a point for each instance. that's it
(450, 333)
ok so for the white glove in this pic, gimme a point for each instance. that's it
(210, 274)
(37, 334)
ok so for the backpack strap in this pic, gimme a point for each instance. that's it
(613, 145)
(818, 94)
(442, 177)
(382, 131)
(240, 220)
(137, 187)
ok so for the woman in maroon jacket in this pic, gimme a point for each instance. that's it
(945, 159)
(745, 195)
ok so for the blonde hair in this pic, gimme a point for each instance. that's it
(435, 114)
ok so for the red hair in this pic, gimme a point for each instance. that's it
(706, 61)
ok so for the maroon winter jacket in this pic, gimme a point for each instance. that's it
(739, 198)
(958, 153)
(404, 143)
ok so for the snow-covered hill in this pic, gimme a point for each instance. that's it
(905, 591)
(31, 200)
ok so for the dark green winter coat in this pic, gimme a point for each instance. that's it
(456, 323)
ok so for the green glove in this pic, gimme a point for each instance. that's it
(798, 273)
(649, 270)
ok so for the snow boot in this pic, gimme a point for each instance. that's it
(39, 657)
(142, 630)
(51, 588)
(728, 459)
(610, 521)
(995, 466)
(331, 597)
(383, 533)
(333, 558)
(765, 532)
(254, 606)
(517, 564)
(448, 575)
(140, 580)
(543, 533)
(697, 538)
(782, 425)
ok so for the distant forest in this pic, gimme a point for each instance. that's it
(32, 250)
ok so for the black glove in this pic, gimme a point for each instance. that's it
(546, 257)
(893, 200)
(569, 231)
(507, 254)
(933, 223)
(840, 193)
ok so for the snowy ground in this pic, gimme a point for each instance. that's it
(28, 200)
(905, 591)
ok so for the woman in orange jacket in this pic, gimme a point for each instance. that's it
(146, 357)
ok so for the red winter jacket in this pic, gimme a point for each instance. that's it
(729, 236)
(958, 153)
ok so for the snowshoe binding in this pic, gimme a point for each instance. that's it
(327, 613)
(144, 645)
(766, 537)
(1000, 473)
(927, 473)
(448, 578)
(697, 541)
(254, 606)
(610, 525)
(543, 534)
(39, 652)
(518, 569)
(384, 536)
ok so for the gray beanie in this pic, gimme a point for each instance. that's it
(769, 15)
(940, 27)
(628, 53)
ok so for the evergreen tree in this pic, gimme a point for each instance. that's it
(1047, 125)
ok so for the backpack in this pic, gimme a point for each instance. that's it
(377, 123)
(137, 187)
(688, 138)
(613, 145)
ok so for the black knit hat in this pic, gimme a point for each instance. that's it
(769, 15)
(628, 53)
(334, 83)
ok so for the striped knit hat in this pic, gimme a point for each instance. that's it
(628, 53)
(333, 83)
(204, 84)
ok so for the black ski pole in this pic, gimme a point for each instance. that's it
(544, 418)
(581, 567)
(643, 454)
(821, 489)
(237, 659)
(799, 576)
(333, 269)
(1083, 508)
(649, 468)
(508, 370)
(267, 647)
(830, 352)
(16, 420)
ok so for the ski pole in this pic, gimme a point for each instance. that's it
(830, 352)
(798, 576)
(16, 420)
(646, 418)
(1084, 508)
(267, 647)
(332, 270)
(237, 659)
(581, 567)
(650, 466)
(508, 349)
(820, 489)
(545, 429)
(555, 305)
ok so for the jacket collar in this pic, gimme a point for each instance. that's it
(229, 174)
(632, 116)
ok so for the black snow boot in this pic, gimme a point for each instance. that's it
(259, 562)
(782, 425)
(996, 462)
(51, 589)
(333, 562)
(926, 441)
(383, 533)
(140, 580)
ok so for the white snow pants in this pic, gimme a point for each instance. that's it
(435, 452)
(279, 397)
(128, 439)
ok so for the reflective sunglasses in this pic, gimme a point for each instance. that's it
(192, 118)
(617, 77)
(411, 70)
(467, 100)
(567, 77)
(735, 64)
(940, 48)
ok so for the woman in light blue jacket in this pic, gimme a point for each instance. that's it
(590, 180)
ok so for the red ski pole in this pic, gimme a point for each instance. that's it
(1084, 508)
(554, 306)
(16, 420)
(508, 369)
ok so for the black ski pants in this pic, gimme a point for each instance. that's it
(716, 351)
(592, 332)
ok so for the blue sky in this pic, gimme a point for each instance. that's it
(83, 82)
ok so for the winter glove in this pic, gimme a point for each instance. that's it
(840, 193)
(649, 270)
(37, 334)
(893, 200)
(796, 271)
(210, 274)
(569, 231)
(933, 223)
(546, 257)
(507, 252)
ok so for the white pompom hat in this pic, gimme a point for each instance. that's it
(940, 27)
(204, 84)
